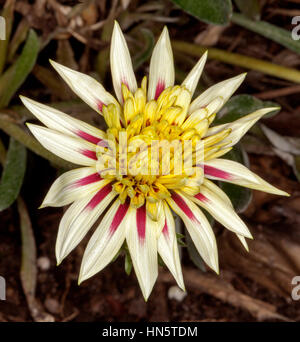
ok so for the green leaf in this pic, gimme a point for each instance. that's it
(192, 250)
(13, 174)
(241, 105)
(239, 196)
(269, 31)
(250, 9)
(20, 69)
(215, 12)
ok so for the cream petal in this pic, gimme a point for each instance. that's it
(168, 248)
(198, 228)
(79, 218)
(141, 237)
(239, 127)
(74, 150)
(86, 87)
(217, 191)
(222, 195)
(121, 64)
(73, 185)
(192, 79)
(243, 241)
(62, 122)
(222, 91)
(161, 72)
(236, 173)
(105, 242)
(221, 211)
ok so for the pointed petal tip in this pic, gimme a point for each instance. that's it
(117, 29)
(203, 58)
(60, 68)
(81, 279)
(83, 275)
(242, 75)
(44, 204)
(146, 290)
(116, 24)
(165, 30)
(53, 63)
(281, 193)
(182, 286)
(164, 36)
(59, 258)
(239, 79)
(146, 296)
(272, 108)
(180, 282)
(215, 267)
(25, 100)
(272, 190)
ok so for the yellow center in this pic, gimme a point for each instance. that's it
(155, 146)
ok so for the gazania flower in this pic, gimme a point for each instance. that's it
(139, 205)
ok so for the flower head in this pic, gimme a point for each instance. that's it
(157, 155)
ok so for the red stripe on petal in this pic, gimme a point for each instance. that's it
(141, 222)
(88, 137)
(100, 105)
(100, 195)
(160, 87)
(95, 177)
(118, 218)
(165, 230)
(183, 206)
(201, 198)
(89, 154)
(213, 172)
(124, 81)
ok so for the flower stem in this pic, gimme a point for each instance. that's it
(240, 60)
